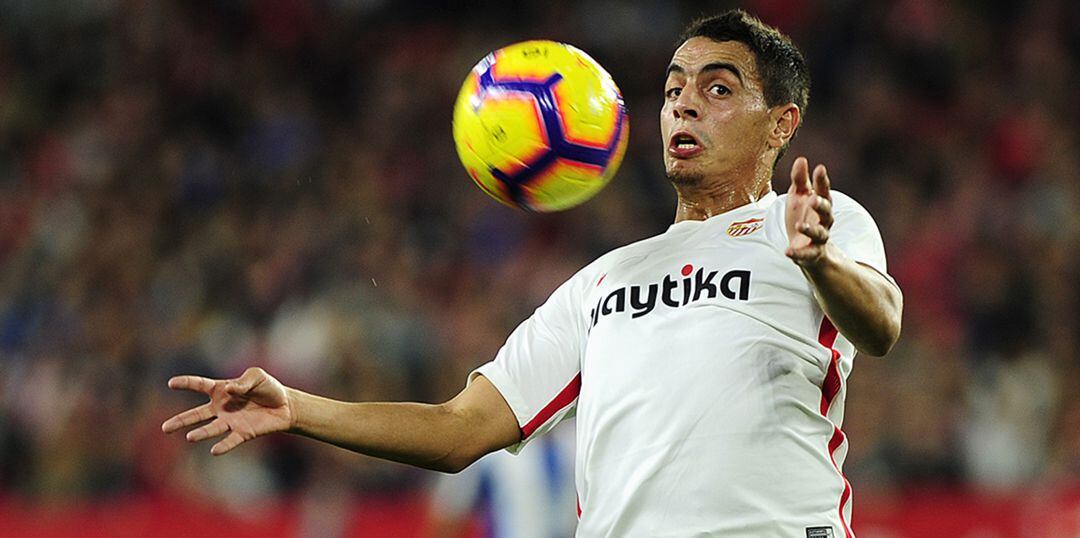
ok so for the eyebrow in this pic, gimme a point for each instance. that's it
(715, 66)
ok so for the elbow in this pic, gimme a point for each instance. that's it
(886, 338)
(882, 345)
(460, 449)
(448, 467)
(453, 464)
(889, 327)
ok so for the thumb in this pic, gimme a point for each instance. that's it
(246, 382)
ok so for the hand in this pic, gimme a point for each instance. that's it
(809, 214)
(247, 407)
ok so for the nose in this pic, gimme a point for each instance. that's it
(685, 107)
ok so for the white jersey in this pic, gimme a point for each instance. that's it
(707, 382)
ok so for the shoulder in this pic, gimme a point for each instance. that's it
(630, 252)
(850, 214)
(842, 204)
(592, 272)
(849, 218)
(839, 199)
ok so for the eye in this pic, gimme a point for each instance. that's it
(673, 93)
(719, 89)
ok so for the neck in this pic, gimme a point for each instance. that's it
(699, 202)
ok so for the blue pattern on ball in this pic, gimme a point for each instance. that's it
(560, 147)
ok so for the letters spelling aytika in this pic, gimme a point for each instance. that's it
(641, 300)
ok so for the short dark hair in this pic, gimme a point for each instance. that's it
(784, 76)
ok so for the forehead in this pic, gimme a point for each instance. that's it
(698, 52)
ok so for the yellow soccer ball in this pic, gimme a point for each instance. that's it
(540, 126)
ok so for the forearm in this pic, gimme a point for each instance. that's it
(424, 435)
(863, 305)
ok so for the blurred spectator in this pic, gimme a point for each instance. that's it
(530, 494)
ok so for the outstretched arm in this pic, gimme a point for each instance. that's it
(444, 437)
(864, 305)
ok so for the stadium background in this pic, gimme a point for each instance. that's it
(201, 186)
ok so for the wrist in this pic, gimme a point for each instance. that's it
(829, 259)
(295, 402)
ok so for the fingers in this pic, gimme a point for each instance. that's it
(187, 418)
(214, 429)
(800, 176)
(193, 383)
(230, 442)
(823, 207)
(821, 181)
(817, 233)
(247, 381)
(821, 189)
(812, 252)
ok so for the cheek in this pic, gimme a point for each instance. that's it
(726, 129)
(665, 118)
(737, 128)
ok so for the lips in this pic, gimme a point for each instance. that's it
(684, 145)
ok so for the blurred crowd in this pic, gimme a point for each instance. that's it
(202, 186)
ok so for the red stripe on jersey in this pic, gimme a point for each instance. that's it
(561, 400)
(832, 383)
(827, 334)
(838, 439)
(579, 508)
(830, 387)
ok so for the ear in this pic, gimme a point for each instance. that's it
(785, 120)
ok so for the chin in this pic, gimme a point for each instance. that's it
(684, 175)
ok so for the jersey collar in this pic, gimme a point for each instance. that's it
(760, 204)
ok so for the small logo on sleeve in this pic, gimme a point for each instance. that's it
(745, 227)
(819, 532)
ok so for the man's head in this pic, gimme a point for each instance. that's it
(735, 94)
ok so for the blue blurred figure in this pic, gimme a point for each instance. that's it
(530, 495)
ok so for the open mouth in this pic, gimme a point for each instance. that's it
(684, 145)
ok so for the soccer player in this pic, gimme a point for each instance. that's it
(705, 365)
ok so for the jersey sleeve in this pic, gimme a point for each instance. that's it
(538, 369)
(856, 234)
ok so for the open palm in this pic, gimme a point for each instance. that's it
(246, 407)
